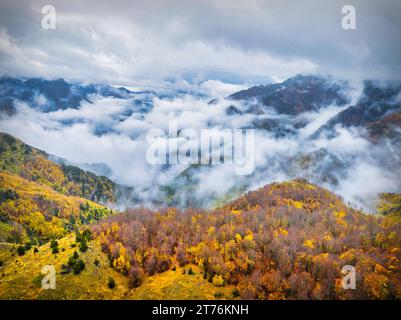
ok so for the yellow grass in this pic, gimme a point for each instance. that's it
(20, 277)
(175, 285)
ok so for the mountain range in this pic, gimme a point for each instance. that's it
(311, 93)
(293, 97)
(51, 95)
(282, 241)
(287, 239)
(286, 111)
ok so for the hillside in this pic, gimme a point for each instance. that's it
(32, 164)
(36, 208)
(31, 211)
(296, 193)
(388, 127)
(389, 204)
(286, 240)
(20, 277)
(378, 100)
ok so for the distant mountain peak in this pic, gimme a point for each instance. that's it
(56, 94)
(379, 99)
(297, 94)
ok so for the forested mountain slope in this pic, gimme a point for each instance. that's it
(32, 164)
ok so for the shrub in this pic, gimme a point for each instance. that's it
(174, 268)
(37, 281)
(218, 280)
(78, 236)
(97, 262)
(155, 262)
(83, 247)
(71, 261)
(21, 250)
(163, 263)
(218, 294)
(111, 284)
(235, 293)
(190, 271)
(181, 256)
(53, 244)
(87, 235)
(75, 255)
(1, 263)
(79, 266)
(28, 246)
(135, 277)
(35, 250)
(84, 206)
(122, 263)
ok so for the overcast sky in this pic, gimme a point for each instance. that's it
(127, 42)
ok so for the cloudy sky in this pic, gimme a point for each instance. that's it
(210, 49)
(256, 41)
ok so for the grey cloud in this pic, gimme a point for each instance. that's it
(193, 44)
(252, 41)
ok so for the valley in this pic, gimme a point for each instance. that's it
(280, 233)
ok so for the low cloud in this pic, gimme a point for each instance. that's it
(113, 131)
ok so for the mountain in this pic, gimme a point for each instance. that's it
(51, 95)
(388, 127)
(280, 107)
(389, 204)
(35, 165)
(248, 109)
(35, 212)
(100, 169)
(295, 95)
(93, 283)
(376, 113)
(285, 240)
(42, 200)
(319, 165)
(378, 100)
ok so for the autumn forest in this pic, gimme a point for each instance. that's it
(287, 240)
